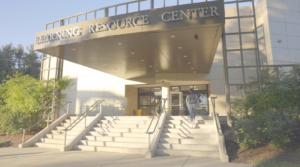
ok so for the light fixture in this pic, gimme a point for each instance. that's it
(189, 62)
(91, 57)
(194, 71)
(179, 47)
(173, 36)
(156, 70)
(142, 60)
(150, 66)
(120, 43)
(192, 68)
(185, 56)
(74, 49)
(132, 53)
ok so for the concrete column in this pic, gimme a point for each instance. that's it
(166, 94)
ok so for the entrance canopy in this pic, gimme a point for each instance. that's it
(178, 39)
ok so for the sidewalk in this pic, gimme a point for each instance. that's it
(51, 157)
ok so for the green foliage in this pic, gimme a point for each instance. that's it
(24, 100)
(272, 113)
(13, 59)
(276, 164)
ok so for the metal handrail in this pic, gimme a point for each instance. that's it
(82, 116)
(47, 117)
(158, 117)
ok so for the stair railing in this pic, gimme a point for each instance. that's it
(158, 116)
(220, 136)
(81, 117)
(46, 117)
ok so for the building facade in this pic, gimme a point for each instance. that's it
(161, 49)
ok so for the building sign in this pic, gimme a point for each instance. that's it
(64, 34)
(171, 16)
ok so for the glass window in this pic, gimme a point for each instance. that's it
(234, 58)
(144, 90)
(230, 10)
(263, 57)
(52, 74)
(45, 75)
(260, 32)
(261, 44)
(250, 74)
(231, 26)
(53, 62)
(235, 75)
(249, 58)
(236, 92)
(145, 100)
(146, 111)
(200, 87)
(245, 8)
(46, 63)
(232, 41)
(248, 41)
(158, 89)
(247, 24)
(186, 88)
(175, 88)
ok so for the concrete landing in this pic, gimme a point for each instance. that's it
(51, 157)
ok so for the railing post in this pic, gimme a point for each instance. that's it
(65, 142)
(101, 108)
(149, 142)
(68, 108)
(23, 139)
(85, 121)
(48, 121)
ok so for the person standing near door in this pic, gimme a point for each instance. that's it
(192, 103)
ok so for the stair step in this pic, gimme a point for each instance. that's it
(118, 139)
(195, 147)
(198, 117)
(53, 136)
(113, 144)
(147, 118)
(174, 126)
(141, 151)
(47, 145)
(53, 141)
(187, 122)
(188, 141)
(188, 130)
(72, 132)
(138, 126)
(129, 130)
(124, 122)
(117, 134)
(188, 135)
(192, 153)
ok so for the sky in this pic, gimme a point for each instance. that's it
(21, 19)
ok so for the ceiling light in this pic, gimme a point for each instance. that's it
(185, 56)
(173, 36)
(132, 53)
(192, 68)
(156, 70)
(150, 66)
(119, 43)
(142, 60)
(91, 57)
(179, 47)
(194, 71)
(189, 62)
(74, 49)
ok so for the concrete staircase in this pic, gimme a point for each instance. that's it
(122, 134)
(55, 139)
(179, 139)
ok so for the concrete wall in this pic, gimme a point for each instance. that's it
(281, 22)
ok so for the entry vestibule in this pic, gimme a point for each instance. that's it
(149, 97)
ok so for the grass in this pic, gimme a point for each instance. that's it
(272, 164)
(3, 144)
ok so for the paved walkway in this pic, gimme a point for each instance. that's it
(50, 157)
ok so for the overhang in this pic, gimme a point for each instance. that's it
(178, 39)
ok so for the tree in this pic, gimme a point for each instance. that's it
(272, 112)
(8, 52)
(24, 100)
(19, 54)
(32, 62)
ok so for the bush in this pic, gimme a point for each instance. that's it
(280, 128)
(247, 132)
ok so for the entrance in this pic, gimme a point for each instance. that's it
(149, 98)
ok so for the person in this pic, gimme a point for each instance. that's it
(192, 103)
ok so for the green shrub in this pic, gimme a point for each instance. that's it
(247, 132)
(279, 127)
(277, 164)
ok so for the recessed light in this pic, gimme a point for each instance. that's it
(173, 36)
(74, 49)
(132, 53)
(119, 43)
(142, 60)
(185, 56)
(194, 71)
(150, 66)
(192, 68)
(104, 64)
(116, 69)
(189, 62)
(179, 47)
(91, 57)
(156, 70)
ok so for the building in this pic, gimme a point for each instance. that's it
(131, 55)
